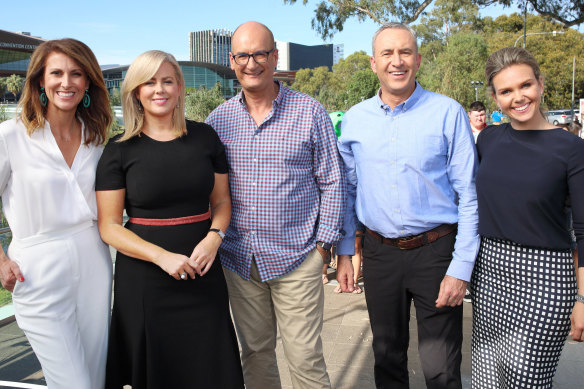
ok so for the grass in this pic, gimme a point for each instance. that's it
(5, 297)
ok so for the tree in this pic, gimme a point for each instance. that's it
(331, 15)
(14, 84)
(2, 87)
(115, 97)
(200, 102)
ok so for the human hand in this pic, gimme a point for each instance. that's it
(175, 265)
(345, 273)
(577, 319)
(9, 273)
(323, 253)
(204, 253)
(451, 293)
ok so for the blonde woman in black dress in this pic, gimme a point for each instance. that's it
(171, 326)
(524, 285)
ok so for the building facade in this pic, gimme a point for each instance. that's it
(294, 56)
(15, 52)
(196, 75)
(211, 46)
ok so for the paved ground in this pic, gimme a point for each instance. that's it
(347, 346)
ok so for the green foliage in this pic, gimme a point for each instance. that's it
(115, 97)
(350, 82)
(14, 84)
(331, 15)
(2, 86)
(200, 102)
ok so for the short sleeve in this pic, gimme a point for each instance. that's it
(219, 159)
(5, 170)
(110, 173)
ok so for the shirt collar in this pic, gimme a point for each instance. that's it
(408, 104)
(277, 100)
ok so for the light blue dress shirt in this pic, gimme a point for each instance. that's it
(411, 169)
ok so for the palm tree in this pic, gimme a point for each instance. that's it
(14, 84)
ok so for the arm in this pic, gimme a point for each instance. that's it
(110, 207)
(205, 252)
(330, 179)
(462, 166)
(346, 246)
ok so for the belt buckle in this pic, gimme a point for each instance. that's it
(403, 240)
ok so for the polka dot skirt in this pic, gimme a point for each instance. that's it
(522, 301)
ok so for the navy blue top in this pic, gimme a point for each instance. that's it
(523, 181)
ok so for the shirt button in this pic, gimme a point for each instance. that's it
(394, 186)
(253, 232)
(393, 139)
(253, 208)
(255, 159)
(253, 184)
(396, 210)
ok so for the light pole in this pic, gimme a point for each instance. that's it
(537, 33)
(476, 85)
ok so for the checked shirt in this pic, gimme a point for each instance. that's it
(287, 183)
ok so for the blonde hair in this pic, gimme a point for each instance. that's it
(97, 118)
(141, 70)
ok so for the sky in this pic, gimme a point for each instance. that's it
(118, 31)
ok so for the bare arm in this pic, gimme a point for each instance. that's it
(205, 252)
(110, 207)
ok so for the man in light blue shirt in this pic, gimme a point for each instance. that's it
(411, 162)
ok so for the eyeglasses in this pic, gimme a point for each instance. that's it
(258, 57)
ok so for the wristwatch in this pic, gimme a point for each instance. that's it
(325, 246)
(218, 231)
(580, 298)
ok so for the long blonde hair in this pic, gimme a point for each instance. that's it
(141, 70)
(97, 118)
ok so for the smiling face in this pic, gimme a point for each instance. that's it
(254, 77)
(65, 83)
(159, 95)
(395, 61)
(518, 92)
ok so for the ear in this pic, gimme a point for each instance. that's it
(541, 85)
(232, 63)
(373, 66)
(418, 61)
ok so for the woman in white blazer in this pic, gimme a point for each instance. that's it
(57, 267)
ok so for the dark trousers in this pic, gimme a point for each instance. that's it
(393, 278)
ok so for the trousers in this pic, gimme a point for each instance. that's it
(63, 306)
(393, 279)
(295, 304)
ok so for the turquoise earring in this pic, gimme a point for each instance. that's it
(86, 99)
(43, 98)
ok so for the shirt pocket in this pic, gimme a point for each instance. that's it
(432, 153)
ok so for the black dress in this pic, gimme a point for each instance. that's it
(168, 333)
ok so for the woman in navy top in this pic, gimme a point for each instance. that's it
(524, 284)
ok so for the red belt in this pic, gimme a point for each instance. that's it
(171, 222)
(415, 241)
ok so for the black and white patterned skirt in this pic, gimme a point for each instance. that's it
(522, 300)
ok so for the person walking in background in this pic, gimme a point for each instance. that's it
(57, 268)
(477, 117)
(288, 193)
(171, 326)
(496, 117)
(523, 285)
(410, 161)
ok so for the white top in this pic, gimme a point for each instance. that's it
(41, 195)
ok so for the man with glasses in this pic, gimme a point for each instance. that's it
(287, 190)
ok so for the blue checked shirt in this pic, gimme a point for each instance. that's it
(411, 169)
(287, 183)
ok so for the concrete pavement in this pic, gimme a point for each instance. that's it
(347, 346)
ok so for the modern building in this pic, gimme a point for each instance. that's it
(294, 56)
(15, 51)
(196, 74)
(211, 46)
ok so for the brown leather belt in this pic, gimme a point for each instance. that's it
(415, 241)
(171, 222)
